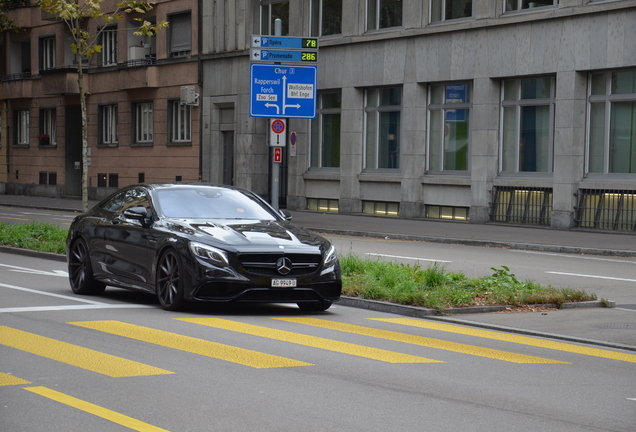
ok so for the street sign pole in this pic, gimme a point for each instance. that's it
(278, 30)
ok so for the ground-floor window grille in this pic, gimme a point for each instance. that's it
(521, 205)
(606, 209)
(381, 208)
(318, 204)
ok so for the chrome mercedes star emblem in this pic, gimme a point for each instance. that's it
(283, 265)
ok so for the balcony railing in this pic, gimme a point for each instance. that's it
(15, 77)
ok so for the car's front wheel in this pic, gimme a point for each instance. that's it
(318, 306)
(170, 281)
(80, 272)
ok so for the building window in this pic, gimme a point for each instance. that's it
(446, 212)
(180, 34)
(513, 5)
(381, 208)
(325, 132)
(324, 205)
(449, 127)
(47, 53)
(326, 17)
(47, 127)
(109, 46)
(606, 209)
(22, 127)
(382, 115)
(113, 180)
(383, 14)
(527, 125)
(272, 10)
(108, 119)
(180, 122)
(143, 122)
(612, 130)
(443, 10)
(521, 205)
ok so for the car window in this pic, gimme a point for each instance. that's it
(136, 198)
(114, 204)
(210, 203)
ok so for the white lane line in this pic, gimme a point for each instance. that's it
(592, 276)
(60, 273)
(73, 307)
(408, 258)
(575, 256)
(75, 299)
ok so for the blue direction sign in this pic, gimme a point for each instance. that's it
(283, 91)
(276, 42)
(276, 55)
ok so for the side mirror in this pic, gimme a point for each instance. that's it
(137, 213)
(286, 214)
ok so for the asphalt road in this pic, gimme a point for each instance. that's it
(119, 362)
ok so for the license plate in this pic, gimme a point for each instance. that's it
(283, 283)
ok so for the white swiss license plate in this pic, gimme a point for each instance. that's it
(283, 283)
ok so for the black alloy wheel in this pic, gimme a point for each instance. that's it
(318, 306)
(80, 272)
(170, 281)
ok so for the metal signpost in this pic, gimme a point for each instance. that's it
(281, 91)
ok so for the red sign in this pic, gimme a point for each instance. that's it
(278, 126)
(278, 154)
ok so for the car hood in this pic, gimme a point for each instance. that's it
(251, 233)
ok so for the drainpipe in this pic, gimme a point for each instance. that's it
(200, 82)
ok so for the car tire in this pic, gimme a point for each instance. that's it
(170, 284)
(80, 272)
(319, 306)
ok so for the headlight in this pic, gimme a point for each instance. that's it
(209, 254)
(330, 257)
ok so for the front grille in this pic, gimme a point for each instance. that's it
(265, 264)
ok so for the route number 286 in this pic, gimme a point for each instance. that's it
(309, 56)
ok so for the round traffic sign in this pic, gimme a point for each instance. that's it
(278, 126)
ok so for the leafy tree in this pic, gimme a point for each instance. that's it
(7, 23)
(77, 14)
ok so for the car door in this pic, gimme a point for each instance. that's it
(126, 242)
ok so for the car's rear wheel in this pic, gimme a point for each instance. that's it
(80, 272)
(170, 283)
(318, 306)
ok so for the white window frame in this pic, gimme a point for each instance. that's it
(109, 43)
(376, 112)
(266, 12)
(144, 122)
(374, 15)
(607, 100)
(317, 21)
(442, 11)
(47, 45)
(22, 127)
(518, 5)
(48, 122)
(180, 122)
(518, 103)
(447, 105)
(110, 120)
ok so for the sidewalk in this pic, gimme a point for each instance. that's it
(612, 327)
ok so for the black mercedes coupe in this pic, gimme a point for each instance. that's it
(200, 243)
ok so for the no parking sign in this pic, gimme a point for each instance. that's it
(277, 132)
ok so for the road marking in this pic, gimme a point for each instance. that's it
(14, 218)
(74, 355)
(60, 273)
(423, 341)
(65, 297)
(623, 261)
(524, 340)
(592, 276)
(311, 341)
(405, 257)
(73, 307)
(96, 410)
(189, 344)
(7, 380)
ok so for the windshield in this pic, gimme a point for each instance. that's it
(208, 202)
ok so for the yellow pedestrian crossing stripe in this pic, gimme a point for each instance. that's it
(7, 380)
(96, 410)
(215, 350)
(422, 341)
(311, 341)
(507, 337)
(74, 355)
